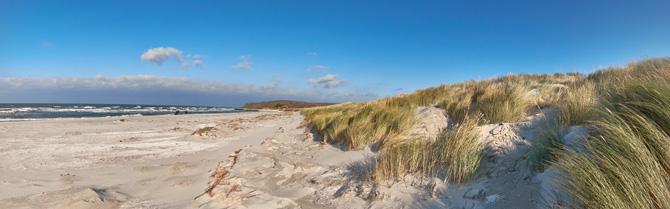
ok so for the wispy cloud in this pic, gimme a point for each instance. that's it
(276, 81)
(244, 64)
(197, 63)
(162, 54)
(327, 81)
(398, 89)
(149, 89)
(316, 67)
(312, 54)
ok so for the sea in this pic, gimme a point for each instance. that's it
(23, 112)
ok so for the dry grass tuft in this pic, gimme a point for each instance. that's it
(576, 107)
(357, 125)
(507, 98)
(206, 131)
(456, 154)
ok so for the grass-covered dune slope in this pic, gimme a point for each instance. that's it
(623, 163)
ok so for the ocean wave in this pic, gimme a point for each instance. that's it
(14, 112)
(19, 119)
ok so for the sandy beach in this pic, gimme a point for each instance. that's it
(128, 162)
(158, 162)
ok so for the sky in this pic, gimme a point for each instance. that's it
(227, 53)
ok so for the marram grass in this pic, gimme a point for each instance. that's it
(547, 146)
(358, 125)
(502, 99)
(576, 106)
(623, 163)
(507, 98)
(456, 153)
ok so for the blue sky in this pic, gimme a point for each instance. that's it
(249, 51)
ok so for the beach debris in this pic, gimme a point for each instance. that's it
(206, 131)
(220, 188)
(72, 133)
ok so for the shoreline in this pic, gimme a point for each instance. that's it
(3, 120)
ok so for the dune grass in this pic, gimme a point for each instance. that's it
(357, 125)
(506, 99)
(574, 108)
(625, 163)
(547, 147)
(455, 154)
(503, 99)
(460, 151)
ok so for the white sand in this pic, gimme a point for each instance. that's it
(150, 161)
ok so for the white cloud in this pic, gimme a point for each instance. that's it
(161, 54)
(312, 54)
(244, 65)
(315, 67)
(149, 89)
(197, 63)
(327, 81)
